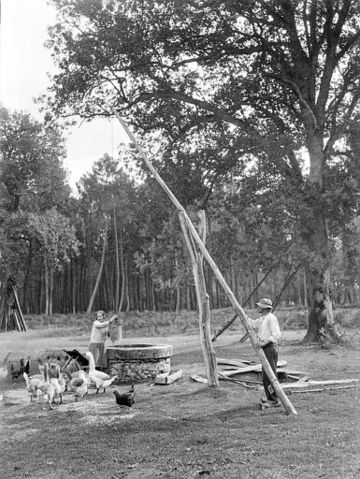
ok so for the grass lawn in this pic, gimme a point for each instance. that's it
(186, 430)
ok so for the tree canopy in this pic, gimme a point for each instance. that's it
(257, 87)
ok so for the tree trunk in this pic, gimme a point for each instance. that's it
(47, 288)
(51, 289)
(178, 292)
(305, 302)
(117, 261)
(73, 271)
(188, 299)
(25, 300)
(123, 272)
(126, 283)
(315, 233)
(96, 286)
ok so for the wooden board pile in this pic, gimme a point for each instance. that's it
(292, 381)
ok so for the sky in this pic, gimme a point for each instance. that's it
(24, 67)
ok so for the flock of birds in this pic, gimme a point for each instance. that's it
(53, 383)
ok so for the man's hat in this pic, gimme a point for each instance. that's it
(265, 303)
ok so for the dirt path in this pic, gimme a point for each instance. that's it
(34, 341)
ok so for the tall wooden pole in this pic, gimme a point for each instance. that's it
(289, 408)
(227, 325)
(202, 299)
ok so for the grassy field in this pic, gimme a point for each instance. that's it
(185, 430)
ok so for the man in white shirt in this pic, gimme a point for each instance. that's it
(267, 339)
(98, 337)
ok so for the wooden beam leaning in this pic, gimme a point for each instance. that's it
(227, 325)
(202, 298)
(289, 408)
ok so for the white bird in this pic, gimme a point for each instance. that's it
(99, 378)
(58, 382)
(3, 367)
(46, 387)
(79, 383)
(32, 385)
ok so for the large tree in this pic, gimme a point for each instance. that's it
(107, 193)
(32, 181)
(273, 82)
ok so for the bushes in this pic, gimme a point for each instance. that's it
(168, 323)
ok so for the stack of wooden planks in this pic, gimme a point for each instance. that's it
(299, 380)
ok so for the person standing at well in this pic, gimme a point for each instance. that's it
(98, 337)
(267, 339)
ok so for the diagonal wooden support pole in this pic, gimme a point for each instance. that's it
(228, 324)
(289, 408)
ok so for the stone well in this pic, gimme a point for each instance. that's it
(138, 362)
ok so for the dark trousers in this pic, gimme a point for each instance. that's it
(271, 354)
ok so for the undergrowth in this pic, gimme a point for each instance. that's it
(186, 322)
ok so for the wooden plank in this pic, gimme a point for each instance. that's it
(169, 378)
(290, 376)
(244, 383)
(199, 379)
(289, 372)
(248, 369)
(233, 362)
(314, 384)
(304, 379)
(328, 388)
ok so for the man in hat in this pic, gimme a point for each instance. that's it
(267, 339)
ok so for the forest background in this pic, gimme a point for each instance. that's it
(250, 112)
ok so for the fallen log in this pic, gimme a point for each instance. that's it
(168, 378)
(322, 384)
(329, 388)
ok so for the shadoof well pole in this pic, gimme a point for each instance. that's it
(202, 296)
(289, 408)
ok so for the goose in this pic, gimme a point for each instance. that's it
(46, 387)
(79, 384)
(58, 382)
(99, 378)
(32, 385)
(3, 367)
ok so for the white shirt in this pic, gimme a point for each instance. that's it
(268, 328)
(99, 331)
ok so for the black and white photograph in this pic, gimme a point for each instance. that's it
(180, 239)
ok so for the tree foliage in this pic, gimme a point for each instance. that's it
(248, 108)
(33, 191)
(32, 173)
(266, 81)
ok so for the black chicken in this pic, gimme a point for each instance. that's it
(125, 399)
